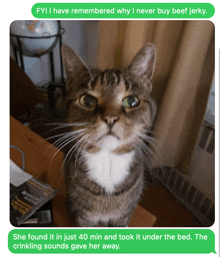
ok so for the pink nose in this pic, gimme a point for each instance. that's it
(110, 121)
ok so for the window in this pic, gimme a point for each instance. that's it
(210, 112)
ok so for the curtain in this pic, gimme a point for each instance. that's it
(182, 78)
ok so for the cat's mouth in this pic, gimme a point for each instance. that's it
(109, 135)
(108, 141)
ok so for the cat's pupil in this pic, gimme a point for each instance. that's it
(131, 101)
(88, 100)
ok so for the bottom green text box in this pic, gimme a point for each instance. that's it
(111, 241)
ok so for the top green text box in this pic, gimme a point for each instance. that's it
(123, 10)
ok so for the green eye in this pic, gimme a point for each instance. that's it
(88, 101)
(130, 101)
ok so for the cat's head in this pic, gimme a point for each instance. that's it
(111, 109)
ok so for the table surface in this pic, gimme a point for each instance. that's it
(41, 162)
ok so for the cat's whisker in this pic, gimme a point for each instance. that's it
(146, 149)
(150, 156)
(84, 141)
(72, 149)
(145, 138)
(149, 142)
(66, 125)
(66, 140)
(89, 140)
(65, 135)
(70, 133)
(65, 143)
(58, 135)
(150, 132)
(56, 143)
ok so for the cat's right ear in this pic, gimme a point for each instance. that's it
(73, 64)
(143, 63)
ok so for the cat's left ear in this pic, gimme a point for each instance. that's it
(143, 63)
(73, 64)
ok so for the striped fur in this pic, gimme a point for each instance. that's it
(104, 165)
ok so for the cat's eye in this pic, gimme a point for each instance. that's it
(130, 101)
(88, 101)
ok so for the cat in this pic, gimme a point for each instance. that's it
(109, 115)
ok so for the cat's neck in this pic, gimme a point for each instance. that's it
(108, 169)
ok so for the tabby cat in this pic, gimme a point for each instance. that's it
(110, 113)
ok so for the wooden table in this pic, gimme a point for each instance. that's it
(41, 163)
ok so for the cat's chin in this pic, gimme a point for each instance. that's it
(108, 142)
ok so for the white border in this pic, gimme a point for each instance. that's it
(21, 10)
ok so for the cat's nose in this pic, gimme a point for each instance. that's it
(110, 121)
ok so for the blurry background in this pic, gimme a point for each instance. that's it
(183, 87)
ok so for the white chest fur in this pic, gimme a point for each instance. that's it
(108, 169)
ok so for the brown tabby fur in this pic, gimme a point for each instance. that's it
(88, 201)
